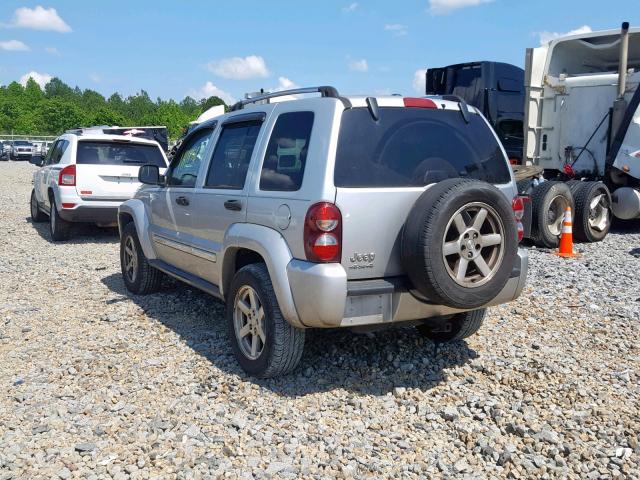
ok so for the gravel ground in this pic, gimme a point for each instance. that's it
(97, 383)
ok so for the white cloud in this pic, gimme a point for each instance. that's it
(546, 37)
(210, 90)
(420, 80)
(442, 7)
(238, 68)
(14, 45)
(397, 29)
(352, 7)
(39, 18)
(41, 78)
(358, 65)
(95, 77)
(284, 84)
(52, 51)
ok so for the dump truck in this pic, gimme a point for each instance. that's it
(582, 133)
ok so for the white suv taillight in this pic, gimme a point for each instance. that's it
(67, 176)
(323, 233)
(518, 212)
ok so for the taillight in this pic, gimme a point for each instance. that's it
(323, 233)
(419, 102)
(518, 212)
(67, 176)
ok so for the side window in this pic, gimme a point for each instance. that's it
(184, 168)
(61, 147)
(232, 155)
(286, 157)
(50, 153)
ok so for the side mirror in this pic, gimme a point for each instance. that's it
(37, 161)
(149, 174)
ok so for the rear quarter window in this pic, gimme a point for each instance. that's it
(116, 153)
(413, 147)
(286, 156)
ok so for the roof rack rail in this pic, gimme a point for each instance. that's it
(325, 91)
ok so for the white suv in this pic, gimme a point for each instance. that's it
(85, 178)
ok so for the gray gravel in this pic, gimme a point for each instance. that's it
(96, 383)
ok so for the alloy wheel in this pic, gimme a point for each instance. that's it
(473, 245)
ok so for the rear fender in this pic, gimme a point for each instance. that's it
(135, 208)
(273, 248)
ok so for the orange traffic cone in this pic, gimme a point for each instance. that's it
(566, 237)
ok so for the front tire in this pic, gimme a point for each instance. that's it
(454, 328)
(59, 228)
(138, 275)
(264, 343)
(37, 215)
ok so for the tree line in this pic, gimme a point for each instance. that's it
(32, 110)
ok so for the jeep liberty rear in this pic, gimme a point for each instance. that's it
(332, 212)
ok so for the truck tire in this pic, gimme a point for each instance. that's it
(263, 342)
(138, 275)
(593, 211)
(59, 228)
(549, 201)
(453, 328)
(460, 243)
(37, 215)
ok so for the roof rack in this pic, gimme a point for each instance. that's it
(325, 91)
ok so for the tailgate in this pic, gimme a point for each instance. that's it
(107, 182)
(108, 169)
(372, 229)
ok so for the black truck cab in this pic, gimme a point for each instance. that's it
(496, 89)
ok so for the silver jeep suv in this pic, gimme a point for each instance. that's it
(325, 212)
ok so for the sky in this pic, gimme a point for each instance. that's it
(174, 48)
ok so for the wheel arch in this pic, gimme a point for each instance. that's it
(134, 211)
(245, 244)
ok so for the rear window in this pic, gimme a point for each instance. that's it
(413, 147)
(115, 153)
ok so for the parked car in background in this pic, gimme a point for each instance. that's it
(22, 150)
(4, 151)
(332, 212)
(86, 176)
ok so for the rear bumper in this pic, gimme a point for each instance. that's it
(325, 299)
(90, 214)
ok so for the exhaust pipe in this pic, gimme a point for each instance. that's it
(620, 104)
(624, 55)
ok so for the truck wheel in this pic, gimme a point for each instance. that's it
(593, 211)
(37, 215)
(460, 243)
(453, 328)
(549, 200)
(263, 342)
(60, 229)
(139, 277)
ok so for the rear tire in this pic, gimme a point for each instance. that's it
(593, 211)
(60, 229)
(138, 275)
(37, 215)
(454, 328)
(549, 201)
(264, 343)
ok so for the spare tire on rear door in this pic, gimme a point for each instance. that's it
(460, 243)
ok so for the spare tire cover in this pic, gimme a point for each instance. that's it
(460, 243)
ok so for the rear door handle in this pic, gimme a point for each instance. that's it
(234, 205)
(184, 201)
